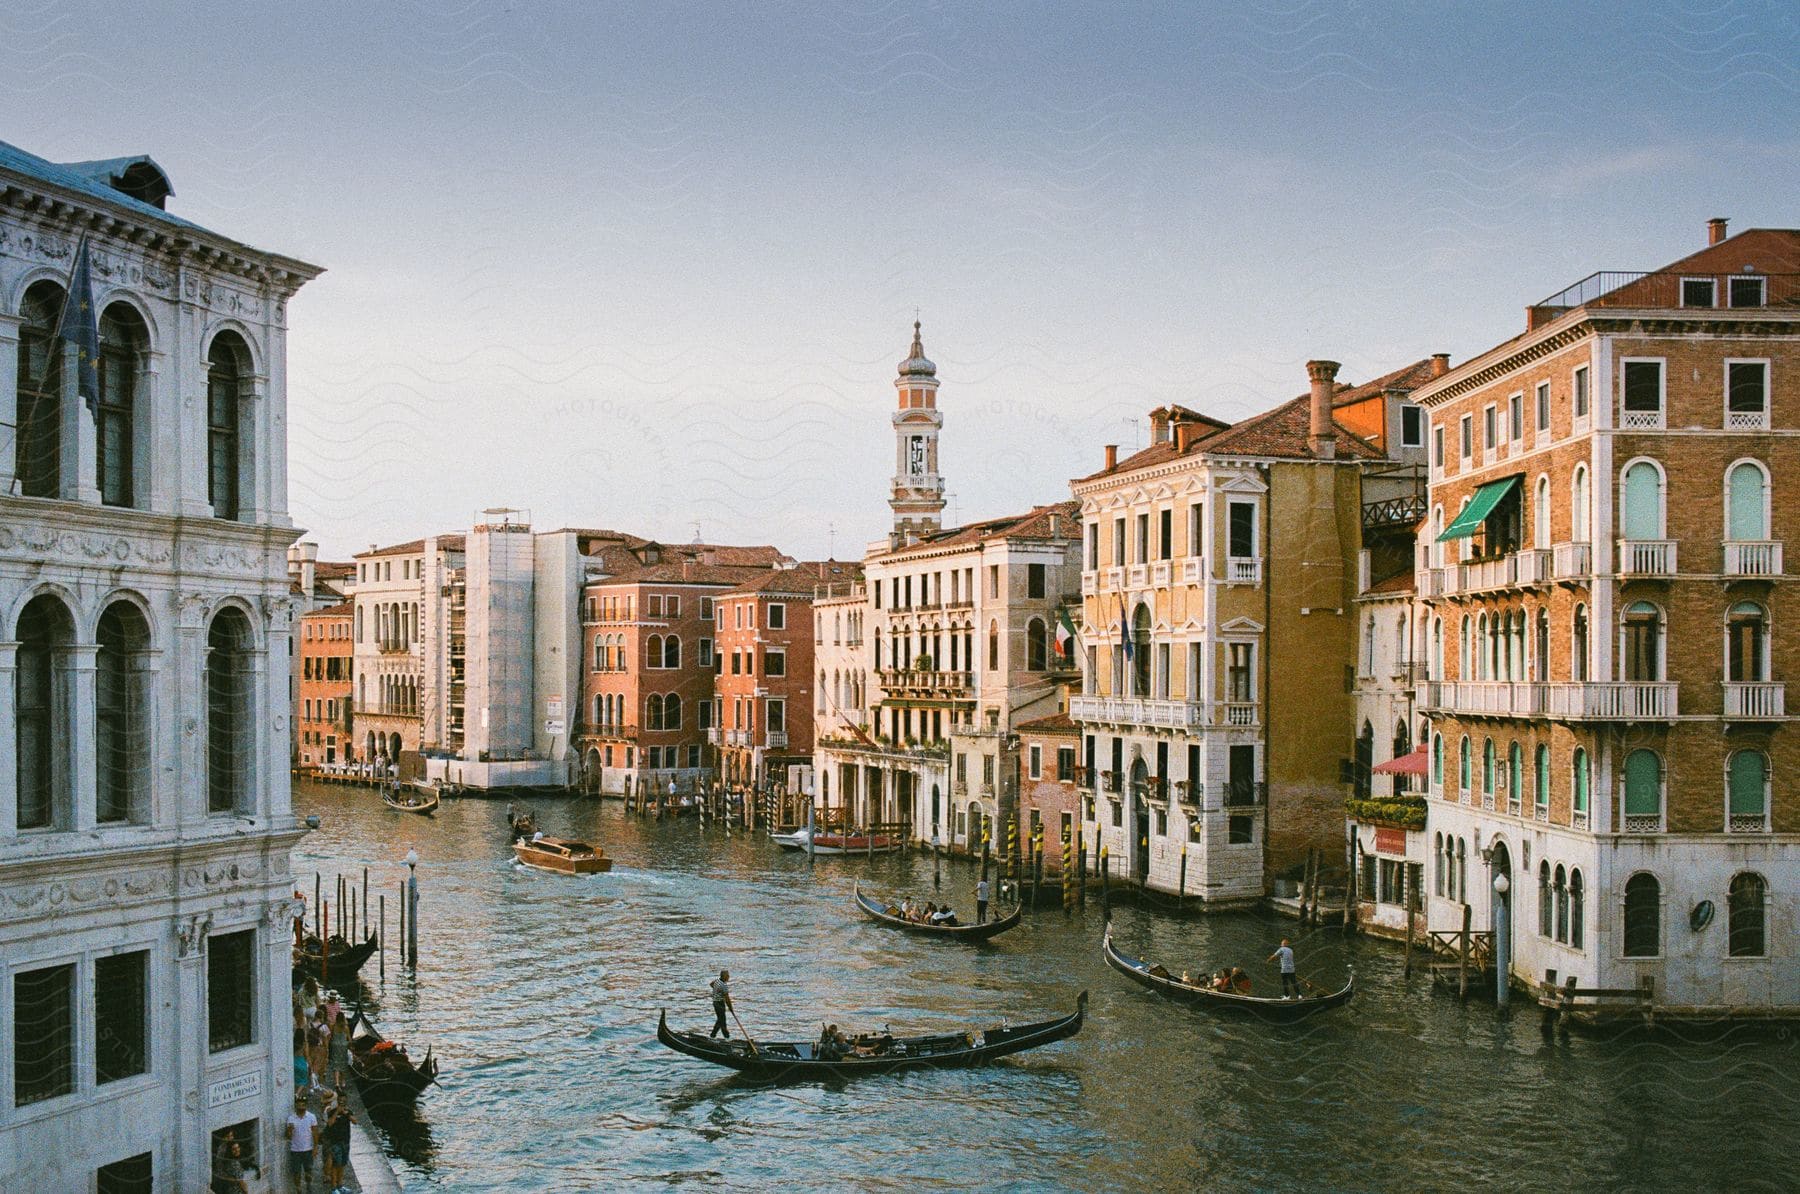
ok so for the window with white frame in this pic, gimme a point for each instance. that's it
(1699, 292)
(1641, 394)
(777, 615)
(1543, 406)
(1035, 762)
(1467, 427)
(1515, 418)
(1578, 393)
(1746, 394)
(1746, 291)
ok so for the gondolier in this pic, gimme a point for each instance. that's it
(1290, 982)
(981, 902)
(721, 997)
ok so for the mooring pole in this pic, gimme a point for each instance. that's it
(381, 941)
(412, 893)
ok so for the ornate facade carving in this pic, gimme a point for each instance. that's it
(191, 934)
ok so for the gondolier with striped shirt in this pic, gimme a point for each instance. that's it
(721, 997)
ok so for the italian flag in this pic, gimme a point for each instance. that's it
(1065, 635)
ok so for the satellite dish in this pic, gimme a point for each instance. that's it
(1701, 916)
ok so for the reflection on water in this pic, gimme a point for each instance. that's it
(539, 994)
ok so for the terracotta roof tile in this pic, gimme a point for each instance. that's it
(1033, 524)
(1056, 723)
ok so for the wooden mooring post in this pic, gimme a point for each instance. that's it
(1105, 893)
(1412, 911)
(1462, 956)
(381, 941)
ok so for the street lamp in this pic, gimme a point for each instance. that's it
(1502, 940)
(412, 908)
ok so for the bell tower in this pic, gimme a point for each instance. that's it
(918, 496)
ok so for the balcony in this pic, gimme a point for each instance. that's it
(1572, 561)
(1239, 713)
(1090, 583)
(1646, 557)
(1639, 822)
(1138, 711)
(1748, 558)
(1487, 698)
(1243, 570)
(1515, 570)
(1160, 572)
(1746, 823)
(1190, 792)
(1245, 794)
(1193, 571)
(1430, 582)
(776, 739)
(1623, 700)
(1139, 577)
(927, 683)
(1112, 578)
(714, 735)
(1641, 420)
(737, 737)
(1755, 701)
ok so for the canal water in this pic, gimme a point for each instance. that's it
(539, 995)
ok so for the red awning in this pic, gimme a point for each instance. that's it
(1416, 763)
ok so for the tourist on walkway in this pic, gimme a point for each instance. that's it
(338, 1061)
(302, 1133)
(336, 1138)
(1290, 982)
(981, 901)
(721, 997)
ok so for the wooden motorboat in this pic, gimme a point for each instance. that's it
(791, 841)
(878, 911)
(383, 1072)
(820, 841)
(1271, 1008)
(339, 962)
(562, 856)
(873, 1053)
(411, 798)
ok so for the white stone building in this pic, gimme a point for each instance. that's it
(145, 629)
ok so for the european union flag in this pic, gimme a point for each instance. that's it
(81, 327)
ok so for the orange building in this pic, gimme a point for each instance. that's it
(322, 706)
(1049, 798)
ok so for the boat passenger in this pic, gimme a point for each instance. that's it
(1222, 979)
(1240, 982)
(537, 837)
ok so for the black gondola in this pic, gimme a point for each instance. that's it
(1275, 1010)
(977, 932)
(384, 1074)
(343, 961)
(780, 1060)
(414, 799)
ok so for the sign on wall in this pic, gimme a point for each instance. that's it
(230, 1090)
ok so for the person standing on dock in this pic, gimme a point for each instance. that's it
(981, 902)
(721, 997)
(1290, 982)
(302, 1131)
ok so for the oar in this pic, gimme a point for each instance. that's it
(743, 1030)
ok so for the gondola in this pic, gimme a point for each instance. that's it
(960, 932)
(519, 826)
(779, 1060)
(1274, 1010)
(384, 1074)
(411, 799)
(343, 960)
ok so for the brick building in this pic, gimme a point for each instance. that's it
(1049, 799)
(1610, 622)
(1221, 566)
(322, 706)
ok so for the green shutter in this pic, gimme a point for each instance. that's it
(1642, 784)
(1746, 515)
(1480, 506)
(1747, 782)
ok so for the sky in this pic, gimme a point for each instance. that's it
(652, 266)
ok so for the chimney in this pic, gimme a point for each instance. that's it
(1440, 364)
(1112, 456)
(1053, 527)
(1185, 434)
(1159, 425)
(1715, 230)
(1321, 439)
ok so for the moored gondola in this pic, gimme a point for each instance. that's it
(339, 962)
(786, 1060)
(411, 799)
(384, 1074)
(1275, 1010)
(877, 911)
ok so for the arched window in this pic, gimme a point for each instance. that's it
(227, 379)
(1540, 515)
(1487, 766)
(1466, 764)
(1365, 756)
(672, 712)
(1578, 644)
(1641, 501)
(1540, 795)
(1560, 887)
(671, 656)
(1576, 917)
(1747, 643)
(1578, 505)
(1437, 761)
(653, 651)
(229, 745)
(1483, 649)
(1465, 652)
(653, 712)
(1140, 652)
(122, 715)
(1540, 663)
(993, 646)
(1747, 783)
(1515, 776)
(43, 719)
(1438, 865)
(1643, 916)
(1747, 503)
(123, 340)
(38, 454)
(1745, 900)
(1544, 907)
(1643, 792)
(1436, 662)
(1037, 646)
(1462, 869)
(1641, 654)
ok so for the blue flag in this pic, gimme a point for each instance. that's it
(1119, 684)
(81, 327)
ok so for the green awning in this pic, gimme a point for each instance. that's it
(1479, 507)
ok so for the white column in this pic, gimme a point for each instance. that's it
(258, 720)
(157, 804)
(152, 456)
(253, 451)
(83, 775)
(189, 403)
(79, 466)
(187, 701)
(9, 398)
(9, 762)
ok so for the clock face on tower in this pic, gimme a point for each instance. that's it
(915, 455)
